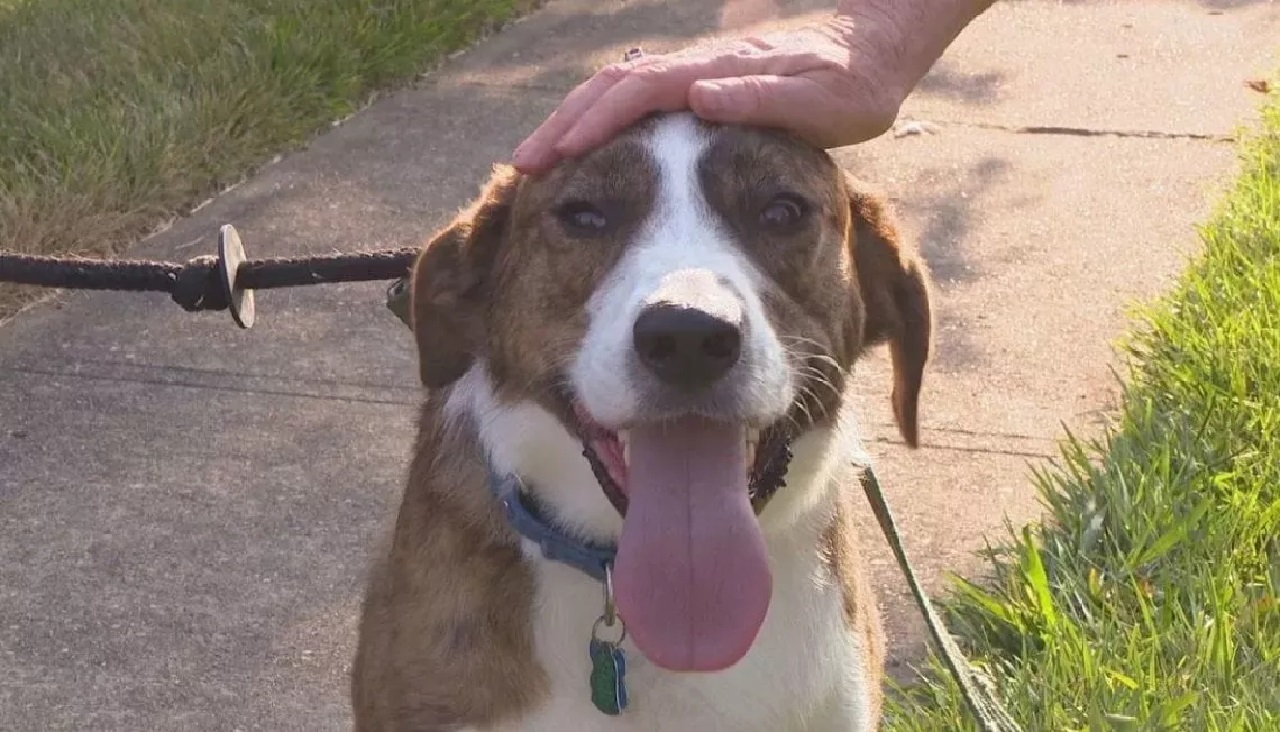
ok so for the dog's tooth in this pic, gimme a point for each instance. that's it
(626, 453)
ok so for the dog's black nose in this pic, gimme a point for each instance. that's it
(684, 346)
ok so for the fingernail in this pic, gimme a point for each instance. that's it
(525, 161)
(568, 146)
(712, 97)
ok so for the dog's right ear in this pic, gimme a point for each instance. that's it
(448, 285)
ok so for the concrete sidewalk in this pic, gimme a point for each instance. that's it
(187, 510)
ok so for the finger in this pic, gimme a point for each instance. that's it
(797, 104)
(622, 105)
(661, 86)
(536, 153)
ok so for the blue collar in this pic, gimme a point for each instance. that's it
(556, 545)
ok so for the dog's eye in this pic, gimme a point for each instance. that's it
(582, 217)
(784, 212)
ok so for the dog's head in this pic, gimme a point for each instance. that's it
(687, 300)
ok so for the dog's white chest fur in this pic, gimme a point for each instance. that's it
(799, 675)
(803, 674)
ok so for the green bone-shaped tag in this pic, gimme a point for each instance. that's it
(608, 685)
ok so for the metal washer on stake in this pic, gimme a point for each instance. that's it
(230, 257)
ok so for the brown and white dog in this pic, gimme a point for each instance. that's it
(638, 342)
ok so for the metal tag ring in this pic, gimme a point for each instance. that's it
(610, 601)
(600, 622)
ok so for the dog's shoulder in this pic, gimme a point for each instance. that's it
(445, 636)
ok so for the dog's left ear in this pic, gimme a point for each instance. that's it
(894, 286)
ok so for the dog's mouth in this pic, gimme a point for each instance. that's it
(767, 453)
(691, 576)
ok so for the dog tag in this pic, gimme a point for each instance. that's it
(608, 685)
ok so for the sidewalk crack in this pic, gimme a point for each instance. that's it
(1090, 131)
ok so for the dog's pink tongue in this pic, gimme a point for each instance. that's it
(691, 577)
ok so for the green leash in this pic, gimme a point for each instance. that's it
(974, 686)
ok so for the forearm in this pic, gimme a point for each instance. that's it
(915, 32)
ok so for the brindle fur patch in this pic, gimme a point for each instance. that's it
(445, 638)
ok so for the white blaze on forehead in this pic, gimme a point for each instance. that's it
(682, 233)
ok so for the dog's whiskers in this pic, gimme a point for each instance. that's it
(821, 355)
(821, 379)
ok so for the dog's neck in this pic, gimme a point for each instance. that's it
(525, 446)
(592, 558)
(526, 441)
(553, 543)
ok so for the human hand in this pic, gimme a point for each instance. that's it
(832, 83)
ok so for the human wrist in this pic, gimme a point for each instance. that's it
(902, 39)
(877, 58)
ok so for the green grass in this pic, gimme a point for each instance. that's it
(1148, 600)
(117, 115)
